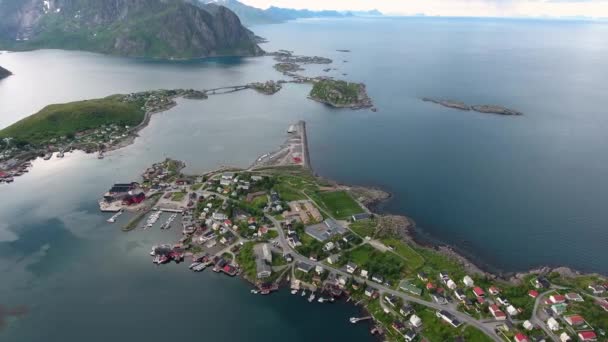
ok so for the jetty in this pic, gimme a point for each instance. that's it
(359, 319)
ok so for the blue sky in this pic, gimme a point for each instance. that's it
(511, 8)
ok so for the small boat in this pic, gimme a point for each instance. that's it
(312, 297)
(294, 291)
(321, 300)
(353, 320)
(193, 265)
(255, 291)
(303, 293)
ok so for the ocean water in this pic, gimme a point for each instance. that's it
(510, 192)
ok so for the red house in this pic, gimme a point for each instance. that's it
(587, 336)
(478, 291)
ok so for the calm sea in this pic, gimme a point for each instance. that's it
(513, 192)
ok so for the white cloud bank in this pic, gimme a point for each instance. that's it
(481, 8)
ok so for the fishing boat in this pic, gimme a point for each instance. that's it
(303, 293)
(294, 291)
(255, 291)
(114, 217)
(193, 265)
(312, 297)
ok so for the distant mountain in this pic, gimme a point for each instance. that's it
(140, 28)
(254, 16)
(4, 73)
(370, 13)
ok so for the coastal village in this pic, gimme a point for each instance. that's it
(277, 225)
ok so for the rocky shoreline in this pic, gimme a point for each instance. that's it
(487, 109)
(372, 197)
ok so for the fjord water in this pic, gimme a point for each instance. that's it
(511, 192)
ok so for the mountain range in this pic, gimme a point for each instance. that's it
(138, 28)
(250, 15)
(4, 73)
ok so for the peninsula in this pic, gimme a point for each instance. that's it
(275, 221)
(489, 109)
(4, 73)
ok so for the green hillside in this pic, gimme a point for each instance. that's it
(55, 121)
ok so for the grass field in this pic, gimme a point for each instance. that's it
(364, 227)
(178, 196)
(413, 259)
(339, 204)
(55, 121)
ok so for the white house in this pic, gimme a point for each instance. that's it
(319, 269)
(468, 281)
(512, 310)
(528, 325)
(329, 246)
(565, 337)
(364, 274)
(451, 284)
(552, 324)
(415, 321)
(351, 267)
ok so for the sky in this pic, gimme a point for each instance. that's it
(481, 8)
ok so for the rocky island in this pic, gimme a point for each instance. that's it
(340, 94)
(4, 73)
(268, 87)
(489, 109)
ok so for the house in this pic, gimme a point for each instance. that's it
(359, 217)
(557, 299)
(494, 291)
(332, 259)
(459, 294)
(398, 326)
(497, 313)
(364, 274)
(597, 289)
(451, 284)
(444, 275)
(565, 337)
(423, 276)
(439, 299)
(391, 299)
(294, 241)
(575, 320)
(409, 336)
(502, 301)
(378, 278)
(541, 283)
(228, 175)
(528, 325)
(449, 318)
(512, 310)
(263, 270)
(533, 293)
(406, 309)
(369, 291)
(587, 336)
(575, 297)
(329, 246)
(468, 281)
(559, 309)
(304, 267)
(319, 269)
(478, 292)
(415, 321)
(351, 267)
(411, 288)
(552, 324)
(519, 337)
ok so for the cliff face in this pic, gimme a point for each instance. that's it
(4, 73)
(143, 28)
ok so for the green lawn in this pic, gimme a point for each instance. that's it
(414, 259)
(178, 196)
(364, 227)
(339, 204)
(260, 201)
(288, 193)
(387, 264)
(67, 119)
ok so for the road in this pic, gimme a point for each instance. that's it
(487, 328)
(536, 319)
